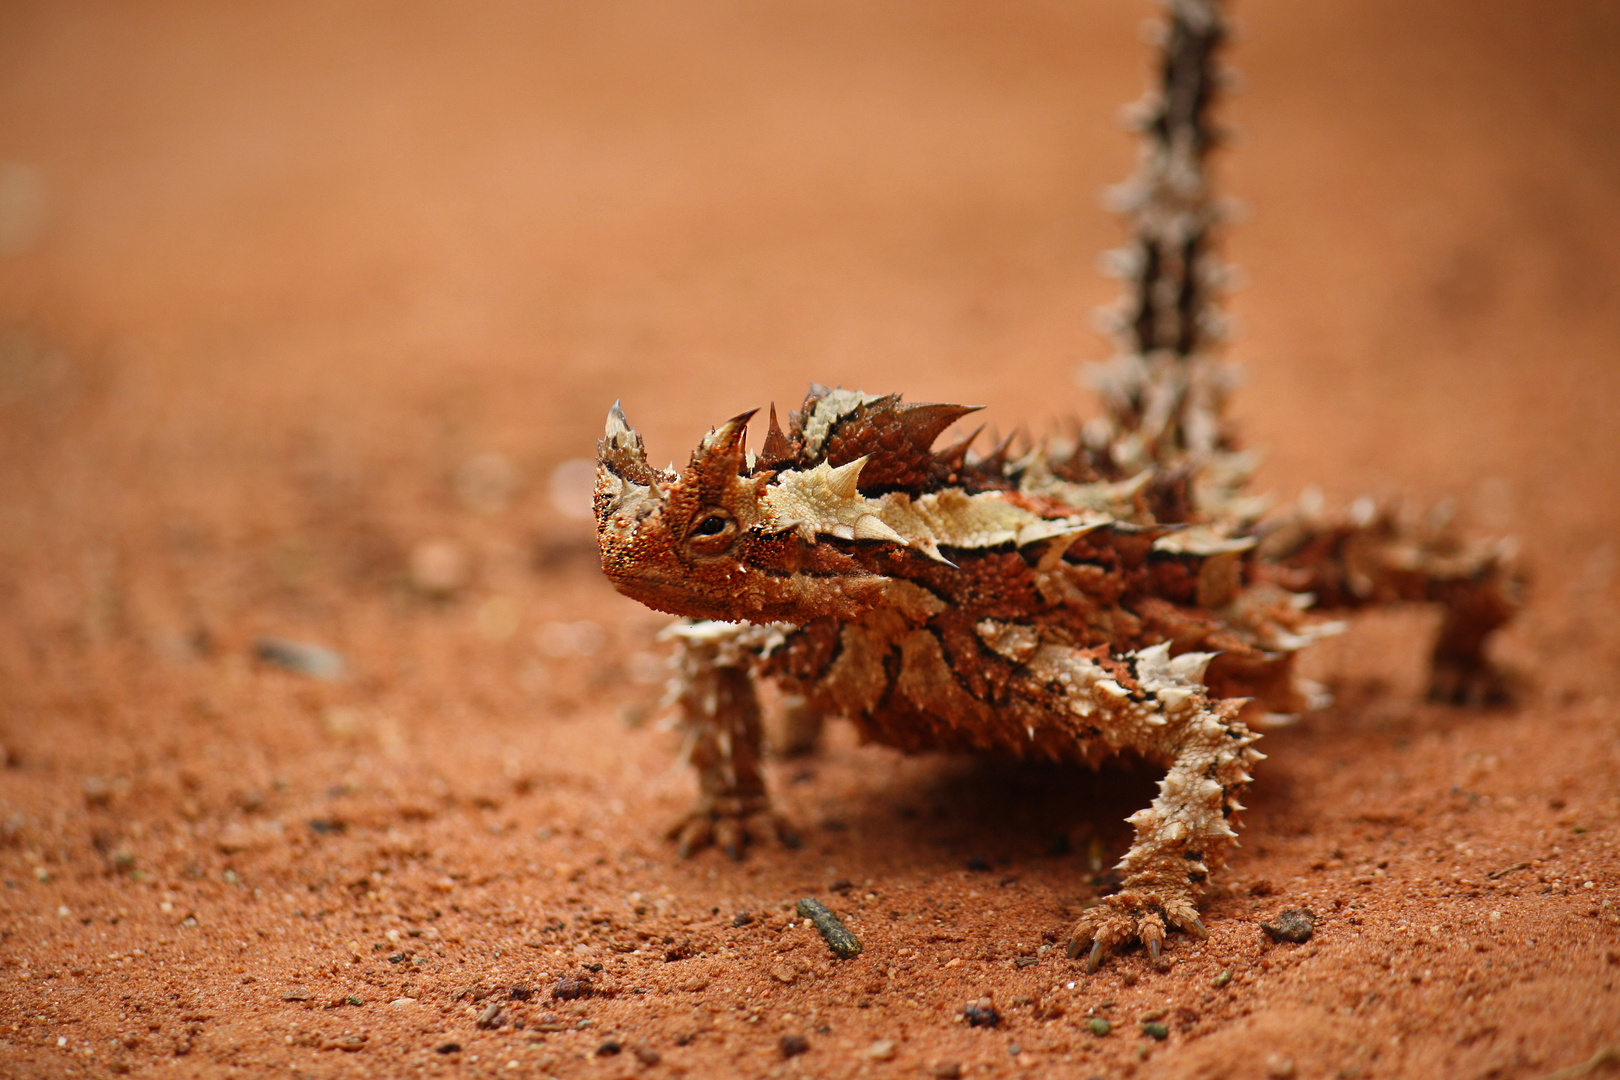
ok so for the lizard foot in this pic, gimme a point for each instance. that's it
(1131, 915)
(731, 825)
(1473, 683)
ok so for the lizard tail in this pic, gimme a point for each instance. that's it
(1164, 392)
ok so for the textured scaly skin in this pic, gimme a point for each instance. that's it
(1008, 606)
(1117, 594)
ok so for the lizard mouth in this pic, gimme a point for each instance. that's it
(656, 591)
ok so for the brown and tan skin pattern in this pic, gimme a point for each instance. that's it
(992, 608)
(1117, 594)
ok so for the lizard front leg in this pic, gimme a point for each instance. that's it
(1180, 838)
(718, 710)
(1157, 705)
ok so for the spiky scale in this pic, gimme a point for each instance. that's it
(1114, 591)
(897, 439)
(777, 451)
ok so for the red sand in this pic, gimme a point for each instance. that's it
(298, 266)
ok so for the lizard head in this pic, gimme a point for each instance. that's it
(706, 543)
(827, 519)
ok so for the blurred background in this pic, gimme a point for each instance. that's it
(304, 304)
(312, 311)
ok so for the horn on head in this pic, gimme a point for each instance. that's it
(723, 453)
(621, 450)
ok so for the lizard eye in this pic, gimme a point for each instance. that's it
(712, 534)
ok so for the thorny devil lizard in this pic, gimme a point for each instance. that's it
(1115, 593)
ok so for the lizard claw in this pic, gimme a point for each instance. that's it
(1077, 945)
(1132, 915)
(728, 837)
(1470, 683)
(692, 834)
(769, 828)
(732, 829)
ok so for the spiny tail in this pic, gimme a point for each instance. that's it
(1164, 392)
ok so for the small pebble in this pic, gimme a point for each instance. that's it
(648, 1056)
(609, 1048)
(844, 944)
(1155, 1029)
(449, 1048)
(948, 1070)
(1295, 925)
(882, 1050)
(792, 1045)
(300, 657)
(1279, 1067)
(981, 1013)
(490, 1017)
(570, 989)
(1099, 1027)
(439, 568)
(1222, 979)
(97, 791)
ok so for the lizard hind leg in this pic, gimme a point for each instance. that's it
(1460, 673)
(1182, 837)
(1369, 556)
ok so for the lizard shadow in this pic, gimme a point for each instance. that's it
(985, 814)
(997, 816)
(991, 814)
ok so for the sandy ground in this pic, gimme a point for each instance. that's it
(302, 307)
